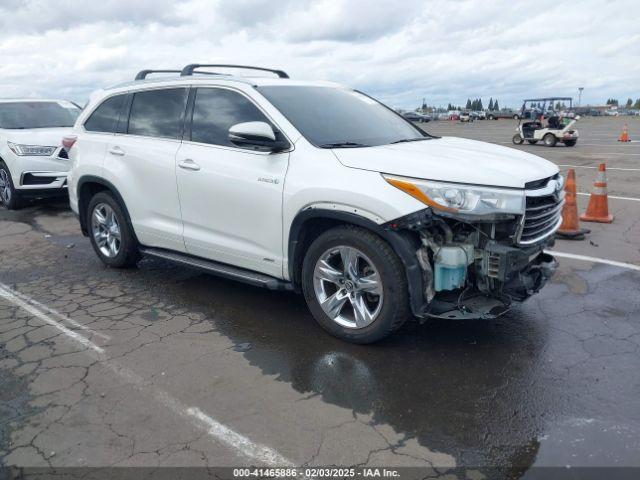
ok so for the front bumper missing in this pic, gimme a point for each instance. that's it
(519, 285)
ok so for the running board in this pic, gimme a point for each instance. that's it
(220, 269)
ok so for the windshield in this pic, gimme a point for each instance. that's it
(37, 114)
(340, 118)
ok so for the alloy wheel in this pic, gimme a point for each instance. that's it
(106, 230)
(348, 287)
(5, 186)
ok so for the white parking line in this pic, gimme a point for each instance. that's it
(630, 266)
(8, 294)
(55, 313)
(613, 196)
(216, 430)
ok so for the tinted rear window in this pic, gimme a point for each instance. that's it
(216, 110)
(20, 115)
(105, 117)
(158, 113)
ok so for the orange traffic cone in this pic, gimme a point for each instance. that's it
(570, 228)
(624, 136)
(598, 209)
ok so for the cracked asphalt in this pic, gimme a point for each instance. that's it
(172, 356)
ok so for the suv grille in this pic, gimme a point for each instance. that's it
(543, 213)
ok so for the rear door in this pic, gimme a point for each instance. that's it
(140, 162)
(230, 197)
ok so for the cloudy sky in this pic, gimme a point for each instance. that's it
(399, 51)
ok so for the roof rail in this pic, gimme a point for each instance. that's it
(189, 69)
(142, 74)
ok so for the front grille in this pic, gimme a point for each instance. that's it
(543, 211)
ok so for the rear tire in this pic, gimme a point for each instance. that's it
(550, 140)
(532, 142)
(111, 236)
(517, 139)
(570, 143)
(9, 197)
(491, 117)
(346, 290)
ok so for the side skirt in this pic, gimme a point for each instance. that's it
(220, 269)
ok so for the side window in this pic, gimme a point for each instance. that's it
(105, 117)
(217, 109)
(158, 113)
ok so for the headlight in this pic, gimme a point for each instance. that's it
(31, 150)
(454, 197)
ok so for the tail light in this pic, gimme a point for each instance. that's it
(68, 141)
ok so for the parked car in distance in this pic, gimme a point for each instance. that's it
(479, 115)
(416, 117)
(466, 117)
(33, 162)
(504, 113)
(312, 187)
(611, 113)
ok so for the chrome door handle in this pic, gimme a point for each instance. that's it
(117, 151)
(188, 164)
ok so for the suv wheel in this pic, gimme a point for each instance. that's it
(110, 234)
(355, 285)
(8, 194)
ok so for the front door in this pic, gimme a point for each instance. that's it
(230, 197)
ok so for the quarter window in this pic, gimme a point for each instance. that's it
(158, 113)
(215, 110)
(105, 117)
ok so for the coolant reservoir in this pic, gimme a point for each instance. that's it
(450, 267)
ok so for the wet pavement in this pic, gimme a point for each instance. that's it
(148, 366)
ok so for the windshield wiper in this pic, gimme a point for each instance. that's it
(343, 145)
(405, 140)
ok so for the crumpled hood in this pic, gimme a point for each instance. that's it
(451, 159)
(44, 137)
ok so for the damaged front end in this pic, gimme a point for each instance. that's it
(477, 266)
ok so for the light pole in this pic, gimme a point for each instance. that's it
(580, 89)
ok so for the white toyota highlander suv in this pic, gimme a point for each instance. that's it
(33, 163)
(316, 188)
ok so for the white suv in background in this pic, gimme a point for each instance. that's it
(312, 187)
(33, 162)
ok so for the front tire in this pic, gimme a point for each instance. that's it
(8, 194)
(355, 285)
(570, 143)
(111, 237)
(550, 140)
(517, 139)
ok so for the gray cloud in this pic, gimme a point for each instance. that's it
(398, 51)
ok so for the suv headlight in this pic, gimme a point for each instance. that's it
(31, 150)
(459, 198)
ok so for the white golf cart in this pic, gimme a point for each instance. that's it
(557, 128)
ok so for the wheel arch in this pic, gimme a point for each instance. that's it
(88, 186)
(311, 222)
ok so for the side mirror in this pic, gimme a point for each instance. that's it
(257, 136)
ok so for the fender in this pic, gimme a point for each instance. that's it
(82, 214)
(402, 243)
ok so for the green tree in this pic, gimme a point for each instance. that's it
(469, 106)
(479, 104)
(496, 107)
(629, 102)
(637, 104)
(490, 104)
